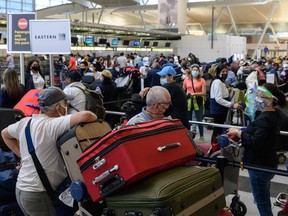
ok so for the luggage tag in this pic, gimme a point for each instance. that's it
(66, 198)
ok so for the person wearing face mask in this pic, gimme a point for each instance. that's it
(219, 99)
(144, 69)
(84, 68)
(177, 93)
(73, 85)
(115, 71)
(195, 86)
(34, 79)
(45, 129)
(178, 97)
(159, 106)
(260, 140)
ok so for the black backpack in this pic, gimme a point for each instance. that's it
(94, 102)
(133, 106)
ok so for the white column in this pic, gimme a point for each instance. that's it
(182, 16)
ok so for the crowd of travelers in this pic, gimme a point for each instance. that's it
(171, 86)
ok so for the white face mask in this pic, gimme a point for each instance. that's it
(163, 81)
(184, 76)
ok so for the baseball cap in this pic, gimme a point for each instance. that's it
(52, 95)
(167, 70)
(218, 59)
(107, 74)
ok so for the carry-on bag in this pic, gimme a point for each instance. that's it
(8, 176)
(129, 153)
(29, 103)
(7, 117)
(184, 191)
(73, 143)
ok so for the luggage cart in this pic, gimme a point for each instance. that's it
(232, 150)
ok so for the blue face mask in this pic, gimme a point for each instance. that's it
(259, 103)
(163, 81)
(195, 73)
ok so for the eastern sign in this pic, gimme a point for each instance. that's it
(18, 40)
(50, 36)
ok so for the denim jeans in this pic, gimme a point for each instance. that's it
(197, 115)
(260, 185)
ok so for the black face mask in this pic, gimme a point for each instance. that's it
(35, 68)
(168, 111)
(82, 70)
(224, 76)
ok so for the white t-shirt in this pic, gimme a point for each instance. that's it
(38, 80)
(10, 62)
(122, 61)
(44, 133)
(79, 101)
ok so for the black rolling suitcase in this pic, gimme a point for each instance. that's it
(181, 191)
(7, 117)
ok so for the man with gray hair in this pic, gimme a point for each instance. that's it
(159, 106)
(45, 129)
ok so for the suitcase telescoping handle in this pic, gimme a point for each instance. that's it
(168, 146)
(105, 174)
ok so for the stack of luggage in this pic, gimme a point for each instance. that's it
(142, 169)
(8, 164)
(8, 179)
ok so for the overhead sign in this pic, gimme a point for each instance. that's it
(18, 40)
(266, 49)
(50, 36)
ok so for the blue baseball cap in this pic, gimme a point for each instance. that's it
(167, 70)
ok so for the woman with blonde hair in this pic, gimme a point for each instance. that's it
(195, 87)
(12, 91)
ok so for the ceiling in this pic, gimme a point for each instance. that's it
(128, 19)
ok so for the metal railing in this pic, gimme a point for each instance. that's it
(285, 133)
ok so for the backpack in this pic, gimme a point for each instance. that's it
(94, 102)
(133, 106)
(8, 175)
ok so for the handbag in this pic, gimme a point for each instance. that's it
(60, 207)
(199, 99)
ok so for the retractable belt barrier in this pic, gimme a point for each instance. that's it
(227, 126)
(221, 162)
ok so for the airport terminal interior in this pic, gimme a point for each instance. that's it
(246, 34)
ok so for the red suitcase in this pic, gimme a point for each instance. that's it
(129, 153)
(29, 103)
